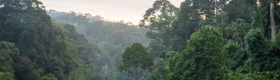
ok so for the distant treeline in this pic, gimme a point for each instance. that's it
(112, 37)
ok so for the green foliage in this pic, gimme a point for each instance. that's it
(49, 77)
(8, 53)
(205, 47)
(109, 40)
(162, 21)
(196, 61)
(239, 9)
(189, 19)
(263, 55)
(162, 66)
(249, 54)
(236, 54)
(136, 58)
(159, 71)
(160, 18)
(237, 30)
(256, 46)
(235, 47)
(267, 75)
(7, 76)
(174, 67)
(33, 48)
(256, 41)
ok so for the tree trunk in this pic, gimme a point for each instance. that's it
(272, 21)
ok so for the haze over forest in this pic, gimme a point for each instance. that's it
(139, 39)
(127, 10)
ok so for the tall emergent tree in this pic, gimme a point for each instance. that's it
(273, 4)
(136, 59)
(272, 21)
(160, 18)
(192, 16)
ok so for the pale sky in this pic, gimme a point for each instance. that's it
(127, 10)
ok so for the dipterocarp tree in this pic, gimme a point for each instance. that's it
(136, 59)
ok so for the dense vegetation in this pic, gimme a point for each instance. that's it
(214, 40)
(201, 40)
(32, 47)
(112, 37)
(136, 59)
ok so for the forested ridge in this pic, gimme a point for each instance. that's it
(33, 47)
(200, 40)
(112, 37)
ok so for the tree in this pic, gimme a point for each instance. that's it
(136, 59)
(266, 15)
(236, 54)
(203, 59)
(192, 16)
(7, 76)
(257, 46)
(160, 18)
(107, 35)
(272, 21)
(8, 53)
(273, 3)
(237, 30)
(239, 9)
(44, 48)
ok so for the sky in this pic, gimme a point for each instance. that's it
(127, 10)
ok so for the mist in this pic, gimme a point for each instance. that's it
(139, 40)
